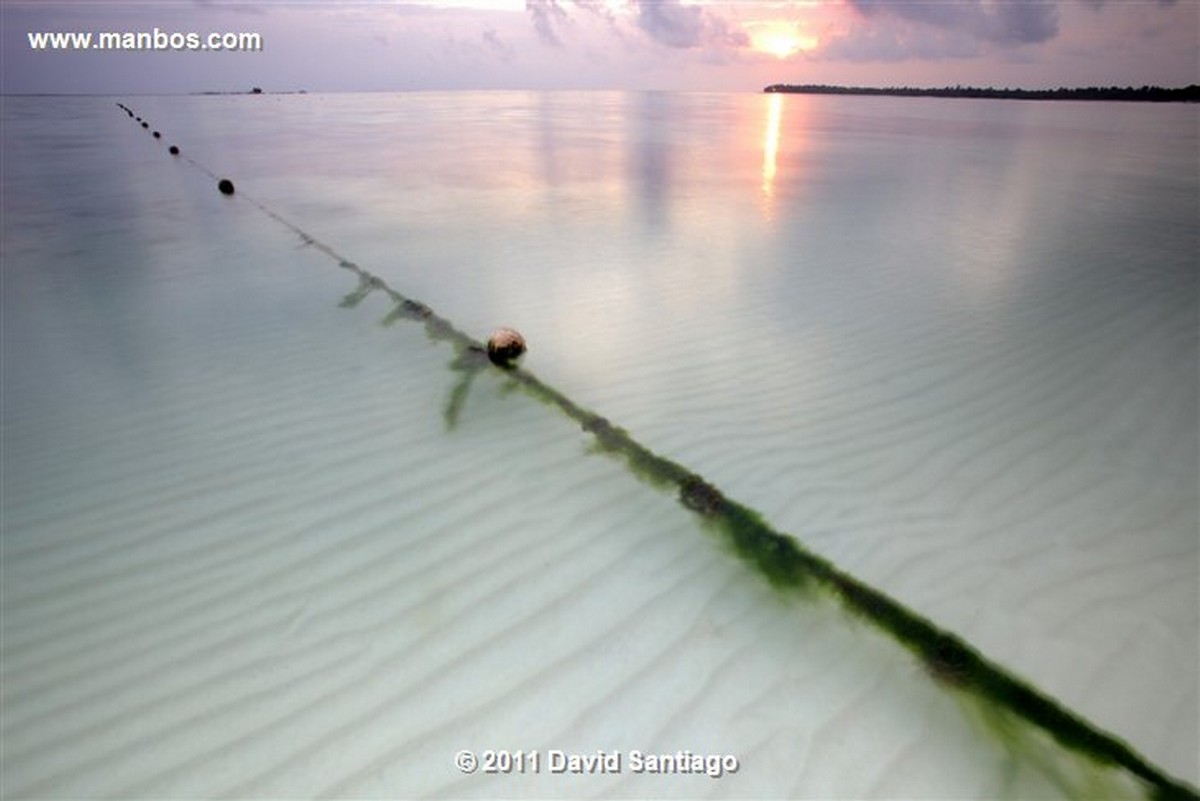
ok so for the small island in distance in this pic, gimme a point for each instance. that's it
(1147, 94)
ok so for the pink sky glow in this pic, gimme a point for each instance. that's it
(614, 44)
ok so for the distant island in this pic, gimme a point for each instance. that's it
(254, 90)
(1146, 94)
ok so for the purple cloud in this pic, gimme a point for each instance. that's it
(502, 49)
(1003, 23)
(665, 22)
(673, 24)
(546, 15)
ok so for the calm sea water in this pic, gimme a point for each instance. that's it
(950, 345)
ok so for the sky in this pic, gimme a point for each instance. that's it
(738, 45)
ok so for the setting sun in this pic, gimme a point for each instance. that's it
(779, 39)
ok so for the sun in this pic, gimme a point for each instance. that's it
(779, 39)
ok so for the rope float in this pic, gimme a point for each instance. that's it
(780, 559)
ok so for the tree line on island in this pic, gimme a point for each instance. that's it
(1152, 94)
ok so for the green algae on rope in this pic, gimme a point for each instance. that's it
(787, 565)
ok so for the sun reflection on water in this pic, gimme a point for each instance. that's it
(770, 165)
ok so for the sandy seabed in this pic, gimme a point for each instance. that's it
(244, 555)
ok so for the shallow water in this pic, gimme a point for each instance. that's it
(949, 345)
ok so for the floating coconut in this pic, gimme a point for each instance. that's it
(504, 346)
(226, 186)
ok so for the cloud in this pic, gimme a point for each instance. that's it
(892, 44)
(502, 49)
(673, 24)
(670, 23)
(892, 31)
(665, 22)
(1020, 23)
(597, 7)
(236, 7)
(546, 15)
(1006, 23)
(1097, 4)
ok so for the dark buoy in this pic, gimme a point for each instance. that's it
(174, 151)
(226, 186)
(145, 125)
(157, 135)
(504, 346)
